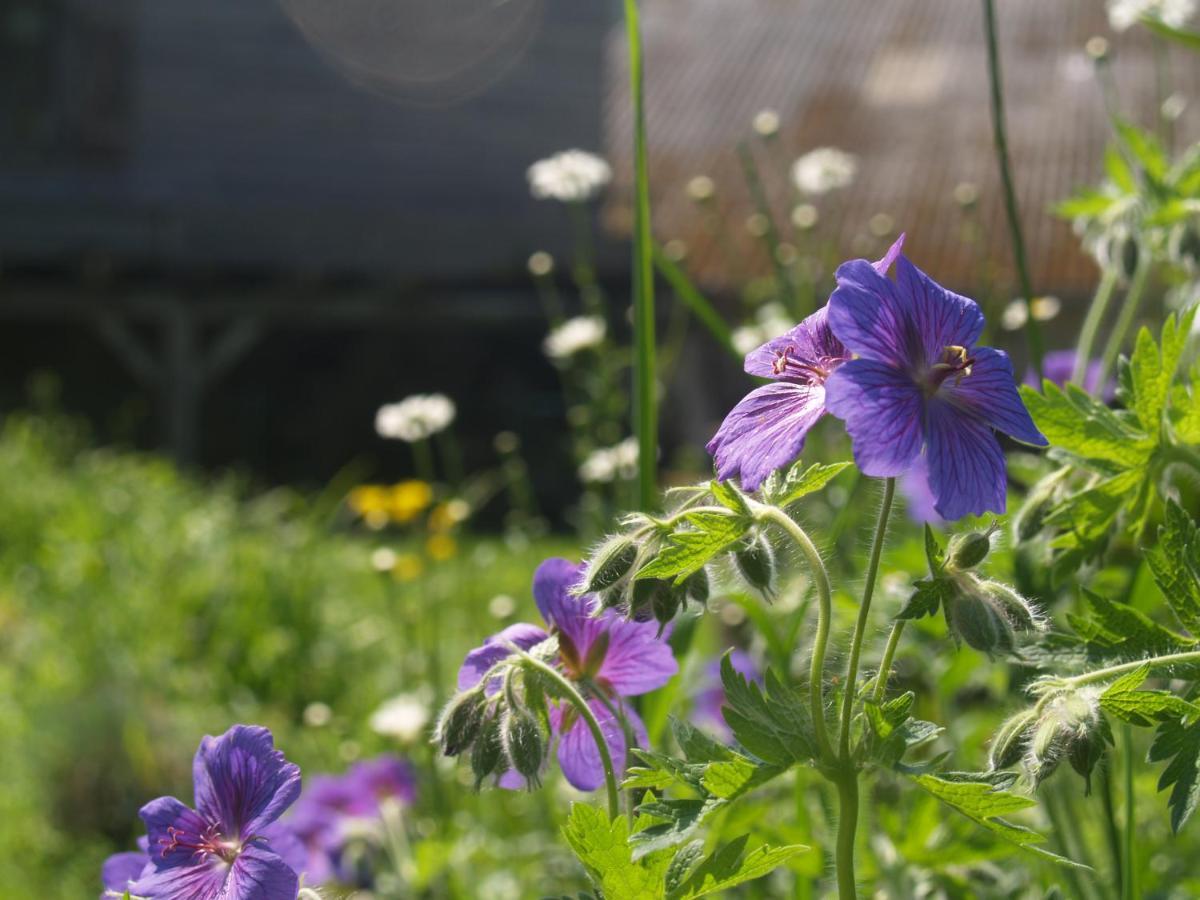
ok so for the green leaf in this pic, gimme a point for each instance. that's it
(1146, 149)
(689, 551)
(1185, 406)
(930, 593)
(1087, 204)
(1116, 630)
(685, 860)
(728, 867)
(1124, 701)
(727, 494)
(1118, 170)
(1085, 427)
(798, 483)
(1151, 371)
(984, 804)
(772, 722)
(604, 849)
(1175, 563)
(935, 556)
(731, 778)
(1179, 742)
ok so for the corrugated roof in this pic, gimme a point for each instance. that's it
(904, 87)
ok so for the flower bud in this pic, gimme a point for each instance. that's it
(967, 550)
(756, 562)
(488, 750)
(460, 722)
(697, 586)
(1032, 515)
(1008, 746)
(1130, 253)
(979, 624)
(665, 604)
(1020, 612)
(1066, 720)
(1184, 246)
(524, 744)
(610, 563)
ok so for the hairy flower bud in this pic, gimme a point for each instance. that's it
(979, 624)
(967, 550)
(1130, 254)
(1031, 517)
(1008, 746)
(524, 744)
(664, 605)
(459, 724)
(488, 750)
(1066, 720)
(1019, 611)
(756, 563)
(611, 562)
(697, 586)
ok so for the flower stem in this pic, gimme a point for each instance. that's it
(864, 610)
(1091, 324)
(885, 664)
(1033, 331)
(1128, 876)
(1167, 659)
(816, 673)
(585, 712)
(847, 785)
(1133, 299)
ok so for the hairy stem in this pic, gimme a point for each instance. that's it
(585, 712)
(885, 664)
(847, 786)
(1128, 876)
(1033, 331)
(1133, 299)
(1154, 662)
(864, 611)
(816, 673)
(1091, 324)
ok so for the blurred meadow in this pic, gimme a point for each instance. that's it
(321, 333)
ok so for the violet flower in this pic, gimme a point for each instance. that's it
(919, 385)
(606, 652)
(223, 849)
(766, 430)
(707, 703)
(1059, 366)
(122, 869)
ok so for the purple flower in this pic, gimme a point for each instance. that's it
(766, 430)
(914, 484)
(919, 385)
(222, 849)
(707, 703)
(610, 655)
(122, 869)
(1059, 365)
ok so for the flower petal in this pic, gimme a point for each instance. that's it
(553, 585)
(908, 322)
(966, 464)
(256, 874)
(493, 650)
(882, 265)
(577, 752)
(170, 813)
(259, 874)
(637, 660)
(122, 868)
(920, 502)
(765, 431)
(990, 393)
(282, 840)
(882, 409)
(242, 782)
(812, 341)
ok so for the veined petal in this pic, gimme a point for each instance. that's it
(811, 342)
(553, 585)
(765, 431)
(578, 755)
(285, 843)
(882, 409)
(122, 868)
(166, 813)
(966, 464)
(990, 393)
(493, 650)
(259, 874)
(256, 874)
(894, 251)
(940, 317)
(637, 660)
(242, 782)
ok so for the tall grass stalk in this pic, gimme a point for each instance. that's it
(645, 399)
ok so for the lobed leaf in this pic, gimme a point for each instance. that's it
(1123, 700)
(771, 722)
(728, 867)
(689, 551)
(800, 482)
(1085, 427)
(1175, 563)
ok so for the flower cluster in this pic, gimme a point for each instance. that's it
(571, 176)
(896, 361)
(501, 715)
(608, 464)
(415, 418)
(574, 336)
(823, 170)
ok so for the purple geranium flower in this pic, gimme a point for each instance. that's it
(707, 703)
(222, 849)
(766, 430)
(122, 869)
(606, 652)
(919, 385)
(1059, 365)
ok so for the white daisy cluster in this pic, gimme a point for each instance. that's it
(823, 170)
(415, 418)
(571, 176)
(771, 321)
(574, 335)
(610, 463)
(1123, 14)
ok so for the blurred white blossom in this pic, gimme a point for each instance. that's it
(569, 176)
(415, 418)
(824, 169)
(771, 321)
(574, 335)
(403, 717)
(1123, 14)
(766, 123)
(610, 463)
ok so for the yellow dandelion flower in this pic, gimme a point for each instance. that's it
(408, 499)
(441, 547)
(408, 567)
(445, 516)
(369, 498)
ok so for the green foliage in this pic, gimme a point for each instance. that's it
(1124, 700)
(689, 551)
(1175, 563)
(772, 721)
(893, 732)
(985, 804)
(1178, 740)
(799, 482)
